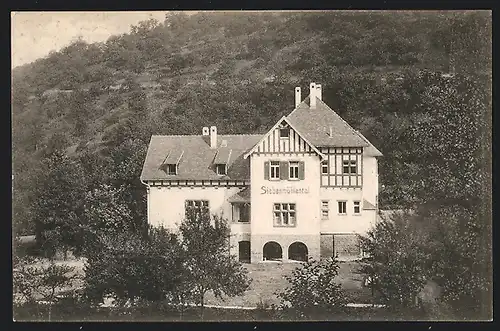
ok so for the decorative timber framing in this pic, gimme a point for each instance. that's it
(335, 177)
(293, 144)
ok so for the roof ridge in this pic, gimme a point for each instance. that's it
(200, 135)
(302, 102)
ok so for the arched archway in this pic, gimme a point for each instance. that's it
(297, 251)
(244, 251)
(272, 251)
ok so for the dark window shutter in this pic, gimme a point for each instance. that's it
(284, 170)
(266, 170)
(302, 170)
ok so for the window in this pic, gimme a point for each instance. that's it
(171, 169)
(244, 213)
(342, 207)
(349, 167)
(357, 208)
(324, 167)
(197, 206)
(221, 169)
(284, 132)
(274, 170)
(284, 214)
(294, 169)
(325, 210)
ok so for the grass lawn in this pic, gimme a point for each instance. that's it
(267, 279)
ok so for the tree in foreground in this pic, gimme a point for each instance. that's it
(42, 282)
(129, 267)
(208, 264)
(441, 246)
(313, 289)
(399, 250)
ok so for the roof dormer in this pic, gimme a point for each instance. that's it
(171, 163)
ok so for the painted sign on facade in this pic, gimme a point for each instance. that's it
(283, 190)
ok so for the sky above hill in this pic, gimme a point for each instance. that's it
(35, 34)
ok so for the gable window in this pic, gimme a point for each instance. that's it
(342, 207)
(196, 206)
(294, 170)
(325, 210)
(284, 132)
(221, 169)
(357, 207)
(284, 214)
(171, 169)
(274, 170)
(349, 167)
(324, 167)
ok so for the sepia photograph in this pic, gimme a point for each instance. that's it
(190, 166)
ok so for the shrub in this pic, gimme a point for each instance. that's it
(313, 289)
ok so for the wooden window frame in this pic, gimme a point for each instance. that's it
(357, 204)
(281, 211)
(339, 202)
(277, 166)
(325, 209)
(296, 165)
(284, 130)
(217, 168)
(349, 165)
(169, 171)
(324, 165)
(203, 205)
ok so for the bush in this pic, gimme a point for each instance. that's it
(313, 289)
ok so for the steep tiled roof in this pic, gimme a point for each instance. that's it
(314, 124)
(197, 160)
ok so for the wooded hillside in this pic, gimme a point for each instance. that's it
(91, 108)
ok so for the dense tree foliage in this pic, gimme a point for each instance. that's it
(416, 84)
(127, 267)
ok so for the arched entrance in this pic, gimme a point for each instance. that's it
(297, 251)
(244, 251)
(272, 251)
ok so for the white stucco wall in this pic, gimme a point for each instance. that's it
(350, 222)
(370, 179)
(307, 219)
(166, 205)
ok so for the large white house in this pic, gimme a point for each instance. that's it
(306, 188)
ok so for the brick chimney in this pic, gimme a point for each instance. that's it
(213, 137)
(318, 91)
(298, 98)
(312, 96)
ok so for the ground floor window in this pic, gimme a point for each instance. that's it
(244, 251)
(196, 207)
(297, 251)
(272, 251)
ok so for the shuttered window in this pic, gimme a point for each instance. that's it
(275, 170)
(284, 170)
(294, 170)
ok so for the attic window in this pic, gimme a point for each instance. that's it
(171, 169)
(221, 169)
(284, 132)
